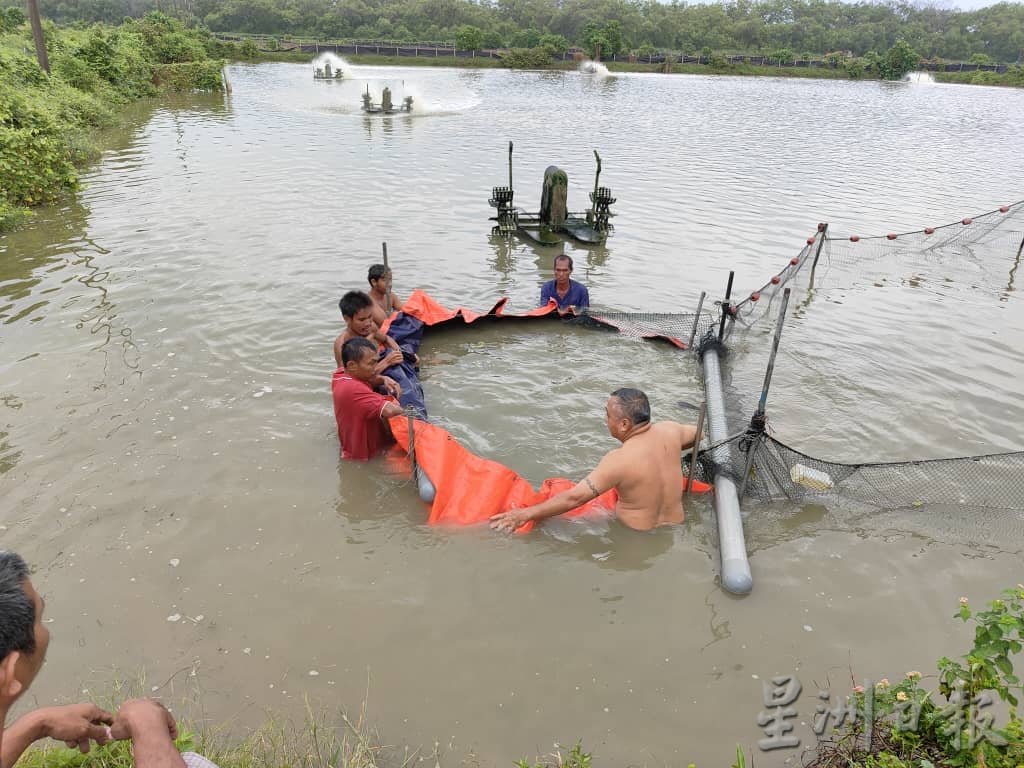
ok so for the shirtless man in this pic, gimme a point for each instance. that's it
(646, 470)
(380, 278)
(357, 310)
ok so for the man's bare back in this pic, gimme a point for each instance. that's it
(647, 473)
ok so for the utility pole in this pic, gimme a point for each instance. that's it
(37, 35)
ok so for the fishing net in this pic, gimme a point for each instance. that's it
(968, 266)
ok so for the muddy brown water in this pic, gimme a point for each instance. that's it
(167, 447)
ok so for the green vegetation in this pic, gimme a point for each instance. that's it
(752, 26)
(913, 730)
(46, 120)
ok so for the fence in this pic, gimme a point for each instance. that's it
(447, 49)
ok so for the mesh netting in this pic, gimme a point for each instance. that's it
(648, 325)
(778, 471)
(978, 250)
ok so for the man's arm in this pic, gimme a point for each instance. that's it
(338, 344)
(75, 724)
(603, 478)
(383, 338)
(584, 297)
(396, 303)
(152, 731)
(687, 436)
(546, 294)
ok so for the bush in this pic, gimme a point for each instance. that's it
(11, 19)
(248, 50)
(527, 58)
(190, 76)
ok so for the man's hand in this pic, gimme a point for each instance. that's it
(510, 520)
(143, 716)
(394, 357)
(75, 724)
(391, 386)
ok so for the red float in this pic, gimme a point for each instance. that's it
(1004, 208)
(755, 296)
(965, 222)
(929, 230)
(890, 236)
(794, 261)
(854, 238)
(776, 280)
(810, 241)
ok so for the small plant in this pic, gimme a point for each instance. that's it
(999, 634)
(576, 758)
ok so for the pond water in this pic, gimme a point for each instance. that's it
(168, 450)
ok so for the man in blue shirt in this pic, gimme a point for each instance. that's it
(568, 293)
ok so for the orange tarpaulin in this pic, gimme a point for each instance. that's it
(470, 489)
(421, 306)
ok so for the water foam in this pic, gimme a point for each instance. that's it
(588, 67)
(336, 62)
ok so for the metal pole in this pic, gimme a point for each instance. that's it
(817, 252)
(725, 305)
(763, 401)
(696, 320)
(593, 202)
(775, 348)
(510, 165)
(696, 446)
(410, 414)
(387, 291)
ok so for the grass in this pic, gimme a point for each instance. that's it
(319, 741)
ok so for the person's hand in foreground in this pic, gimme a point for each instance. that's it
(509, 520)
(152, 731)
(74, 724)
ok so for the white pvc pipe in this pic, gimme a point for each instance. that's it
(736, 576)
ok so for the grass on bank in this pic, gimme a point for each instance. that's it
(948, 731)
(47, 120)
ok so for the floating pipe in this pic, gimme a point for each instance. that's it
(736, 576)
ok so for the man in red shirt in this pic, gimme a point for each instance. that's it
(361, 412)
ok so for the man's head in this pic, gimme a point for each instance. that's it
(627, 408)
(379, 277)
(563, 268)
(357, 309)
(23, 638)
(359, 358)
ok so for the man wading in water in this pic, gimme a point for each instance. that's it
(646, 470)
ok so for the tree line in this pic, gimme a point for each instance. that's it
(816, 27)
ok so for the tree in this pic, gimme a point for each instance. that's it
(612, 37)
(556, 43)
(469, 38)
(898, 61)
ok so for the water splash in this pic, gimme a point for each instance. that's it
(919, 78)
(588, 67)
(337, 63)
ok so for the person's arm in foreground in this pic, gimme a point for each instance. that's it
(593, 485)
(74, 724)
(152, 731)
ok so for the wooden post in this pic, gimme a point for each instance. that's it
(696, 446)
(37, 36)
(387, 293)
